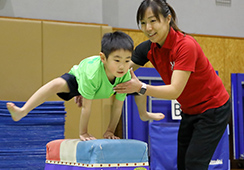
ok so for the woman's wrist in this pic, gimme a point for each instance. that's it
(143, 89)
(139, 87)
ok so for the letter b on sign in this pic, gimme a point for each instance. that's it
(175, 110)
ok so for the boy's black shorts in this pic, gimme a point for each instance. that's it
(73, 87)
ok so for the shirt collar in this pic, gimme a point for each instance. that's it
(170, 39)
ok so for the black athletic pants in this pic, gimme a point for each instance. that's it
(199, 136)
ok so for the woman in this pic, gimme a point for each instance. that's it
(189, 78)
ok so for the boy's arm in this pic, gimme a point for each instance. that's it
(114, 119)
(84, 119)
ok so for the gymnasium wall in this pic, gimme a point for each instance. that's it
(200, 17)
(226, 54)
(34, 52)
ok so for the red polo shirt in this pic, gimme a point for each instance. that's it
(204, 89)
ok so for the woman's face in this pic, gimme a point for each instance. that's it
(156, 30)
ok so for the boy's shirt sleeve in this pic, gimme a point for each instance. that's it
(122, 96)
(86, 74)
(87, 86)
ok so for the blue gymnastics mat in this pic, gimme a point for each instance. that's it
(23, 143)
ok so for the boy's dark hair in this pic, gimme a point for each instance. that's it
(116, 41)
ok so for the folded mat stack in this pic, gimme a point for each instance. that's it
(23, 143)
(100, 154)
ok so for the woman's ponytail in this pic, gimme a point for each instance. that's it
(173, 19)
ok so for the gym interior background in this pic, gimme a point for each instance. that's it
(40, 40)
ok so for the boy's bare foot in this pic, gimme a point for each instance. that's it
(15, 111)
(156, 116)
(152, 116)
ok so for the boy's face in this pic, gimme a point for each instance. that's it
(117, 64)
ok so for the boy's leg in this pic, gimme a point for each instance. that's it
(141, 102)
(206, 136)
(41, 95)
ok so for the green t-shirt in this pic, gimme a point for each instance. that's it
(93, 82)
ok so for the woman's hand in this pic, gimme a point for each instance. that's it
(134, 85)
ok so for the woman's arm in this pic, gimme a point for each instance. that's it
(173, 91)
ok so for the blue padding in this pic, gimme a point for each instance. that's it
(163, 148)
(163, 145)
(220, 159)
(163, 106)
(111, 151)
(23, 143)
(133, 125)
(138, 129)
(147, 72)
(45, 104)
(237, 89)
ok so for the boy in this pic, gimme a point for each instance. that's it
(93, 78)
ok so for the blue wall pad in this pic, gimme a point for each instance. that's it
(237, 90)
(23, 143)
(163, 148)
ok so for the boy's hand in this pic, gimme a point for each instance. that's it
(109, 135)
(86, 137)
(78, 100)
